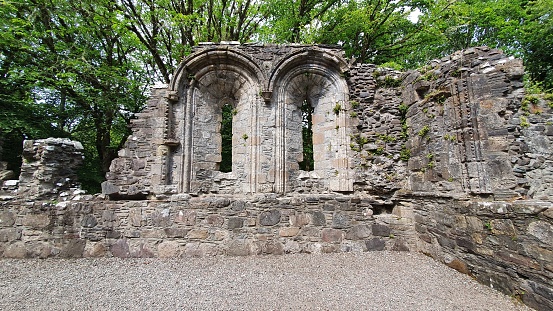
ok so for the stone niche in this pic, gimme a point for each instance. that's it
(176, 145)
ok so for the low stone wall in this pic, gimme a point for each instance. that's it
(505, 245)
(88, 226)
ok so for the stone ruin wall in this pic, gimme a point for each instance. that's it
(447, 160)
(265, 85)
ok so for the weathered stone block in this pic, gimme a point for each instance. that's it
(108, 217)
(215, 220)
(238, 206)
(542, 230)
(299, 219)
(187, 217)
(272, 248)
(375, 244)
(517, 259)
(235, 223)
(73, 249)
(380, 230)
(445, 242)
(89, 221)
(359, 232)
(168, 249)
(120, 249)
(7, 219)
(459, 266)
(135, 217)
(400, 245)
(318, 218)
(288, 231)
(108, 188)
(539, 253)
(332, 235)
(474, 224)
(142, 250)
(503, 226)
(200, 234)
(425, 237)
(36, 221)
(269, 218)
(340, 220)
(94, 250)
(161, 218)
(465, 243)
(176, 232)
(238, 248)
(201, 250)
(16, 250)
(10, 234)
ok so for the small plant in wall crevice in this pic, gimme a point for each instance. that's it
(424, 131)
(337, 108)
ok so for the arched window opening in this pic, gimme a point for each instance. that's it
(226, 138)
(307, 136)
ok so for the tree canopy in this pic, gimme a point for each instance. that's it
(81, 69)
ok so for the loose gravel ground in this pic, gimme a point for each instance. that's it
(367, 281)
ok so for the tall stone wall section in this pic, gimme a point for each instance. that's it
(480, 172)
(464, 121)
(453, 160)
(136, 168)
(378, 141)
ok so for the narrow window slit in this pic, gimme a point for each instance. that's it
(226, 138)
(307, 136)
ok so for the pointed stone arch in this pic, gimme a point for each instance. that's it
(316, 76)
(202, 84)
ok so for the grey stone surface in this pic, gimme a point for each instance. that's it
(375, 244)
(381, 230)
(49, 167)
(270, 218)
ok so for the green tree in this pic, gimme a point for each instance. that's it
(167, 29)
(294, 20)
(78, 72)
(521, 28)
(537, 42)
(21, 115)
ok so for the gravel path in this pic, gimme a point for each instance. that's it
(367, 281)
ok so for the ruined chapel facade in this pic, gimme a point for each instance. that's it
(454, 160)
(178, 141)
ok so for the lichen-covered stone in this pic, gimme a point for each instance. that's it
(269, 218)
